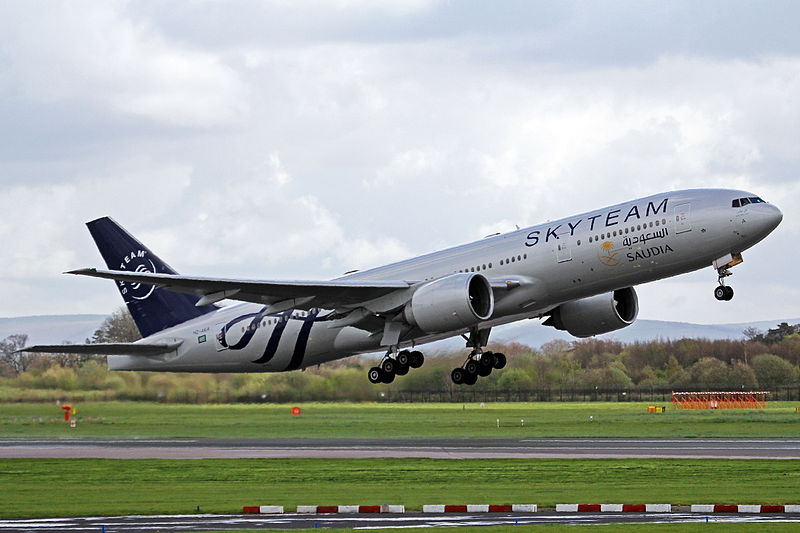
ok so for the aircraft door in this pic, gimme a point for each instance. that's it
(563, 252)
(683, 221)
(219, 337)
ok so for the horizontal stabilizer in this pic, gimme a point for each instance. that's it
(110, 348)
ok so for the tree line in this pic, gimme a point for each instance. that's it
(763, 360)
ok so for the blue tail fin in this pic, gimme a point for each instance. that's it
(153, 309)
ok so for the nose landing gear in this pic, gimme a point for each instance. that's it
(723, 266)
(723, 292)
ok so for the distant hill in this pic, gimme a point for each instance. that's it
(52, 329)
(55, 329)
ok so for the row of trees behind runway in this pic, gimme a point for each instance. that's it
(582, 370)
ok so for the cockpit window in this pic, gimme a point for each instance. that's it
(741, 202)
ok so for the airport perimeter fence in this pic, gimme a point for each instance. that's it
(462, 394)
(454, 394)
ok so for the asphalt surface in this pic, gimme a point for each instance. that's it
(128, 524)
(387, 448)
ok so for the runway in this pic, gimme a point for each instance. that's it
(386, 448)
(130, 524)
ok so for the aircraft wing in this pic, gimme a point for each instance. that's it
(280, 295)
(111, 348)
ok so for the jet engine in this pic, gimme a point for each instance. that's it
(597, 314)
(451, 303)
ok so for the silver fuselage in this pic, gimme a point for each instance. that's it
(579, 256)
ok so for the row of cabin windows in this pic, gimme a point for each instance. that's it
(486, 266)
(637, 227)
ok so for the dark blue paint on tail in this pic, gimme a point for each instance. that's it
(153, 309)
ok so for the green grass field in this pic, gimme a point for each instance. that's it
(43, 487)
(150, 420)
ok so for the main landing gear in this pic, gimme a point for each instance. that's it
(723, 292)
(395, 366)
(478, 364)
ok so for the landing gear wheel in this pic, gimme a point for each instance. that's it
(471, 367)
(458, 375)
(471, 379)
(723, 293)
(416, 359)
(375, 375)
(401, 370)
(499, 360)
(728, 293)
(403, 358)
(484, 370)
(389, 365)
(487, 359)
(387, 377)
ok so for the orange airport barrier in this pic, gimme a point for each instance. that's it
(720, 400)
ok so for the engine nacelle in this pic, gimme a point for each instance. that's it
(597, 314)
(451, 303)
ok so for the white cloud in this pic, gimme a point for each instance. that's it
(98, 52)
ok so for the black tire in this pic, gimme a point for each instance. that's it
(401, 370)
(720, 292)
(375, 375)
(487, 359)
(387, 377)
(471, 379)
(499, 360)
(403, 358)
(471, 367)
(728, 293)
(484, 371)
(458, 375)
(416, 359)
(389, 365)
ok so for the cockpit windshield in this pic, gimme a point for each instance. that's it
(741, 202)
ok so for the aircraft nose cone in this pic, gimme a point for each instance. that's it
(775, 216)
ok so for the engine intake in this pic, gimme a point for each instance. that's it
(597, 314)
(451, 303)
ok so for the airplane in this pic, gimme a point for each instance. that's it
(576, 273)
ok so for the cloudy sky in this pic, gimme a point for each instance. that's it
(288, 139)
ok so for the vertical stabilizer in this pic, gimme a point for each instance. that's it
(153, 309)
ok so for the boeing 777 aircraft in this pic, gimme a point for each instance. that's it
(578, 273)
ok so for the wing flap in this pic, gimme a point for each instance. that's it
(111, 348)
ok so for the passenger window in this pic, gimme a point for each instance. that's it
(490, 265)
(524, 256)
(484, 267)
(737, 203)
(638, 227)
(579, 242)
(519, 258)
(512, 259)
(501, 262)
(658, 222)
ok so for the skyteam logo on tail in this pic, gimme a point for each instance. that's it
(137, 261)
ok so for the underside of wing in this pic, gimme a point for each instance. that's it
(113, 348)
(280, 295)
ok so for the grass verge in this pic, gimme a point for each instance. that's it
(76, 487)
(516, 420)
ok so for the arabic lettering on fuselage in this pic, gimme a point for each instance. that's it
(644, 237)
(606, 220)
